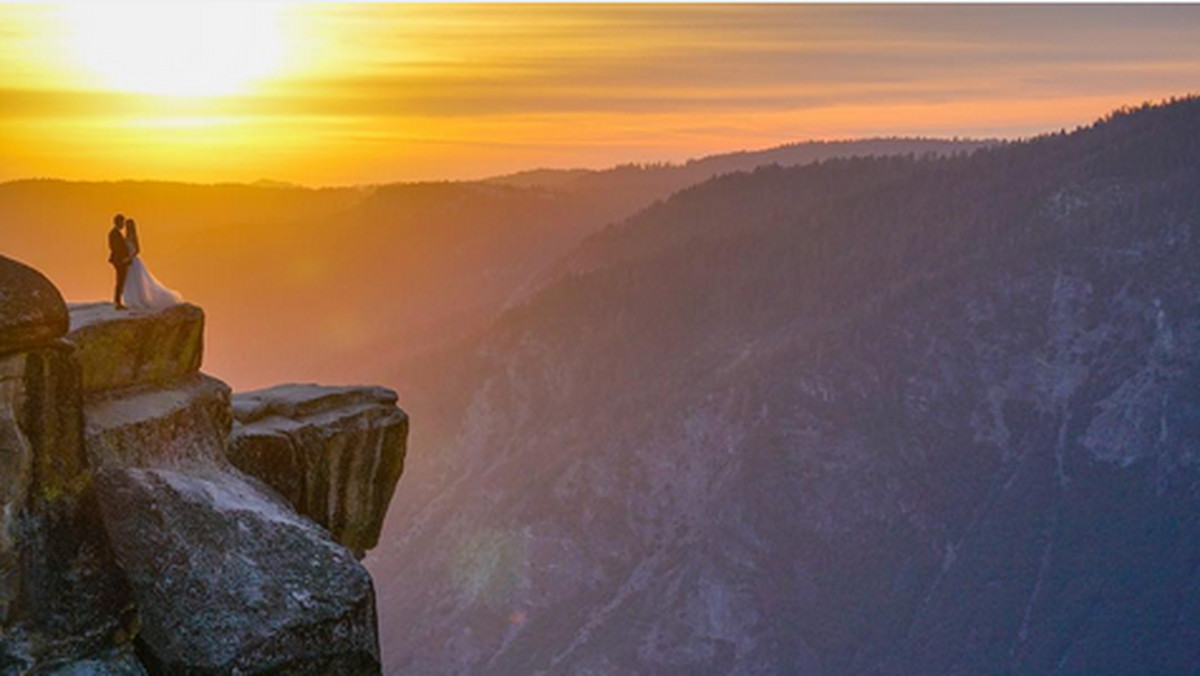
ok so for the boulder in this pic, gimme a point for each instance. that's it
(187, 422)
(230, 580)
(32, 311)
(126, 348)
(335, 453)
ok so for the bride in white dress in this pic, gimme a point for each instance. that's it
(142, 291)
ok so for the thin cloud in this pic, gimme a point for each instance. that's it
(453, 86)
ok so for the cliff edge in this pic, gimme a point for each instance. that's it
(129, 541)
(335, 453)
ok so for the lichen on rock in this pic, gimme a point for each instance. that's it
(127, 348)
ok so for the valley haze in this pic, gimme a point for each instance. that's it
(828, 340)
(802, 410)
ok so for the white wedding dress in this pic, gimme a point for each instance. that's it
(144, 292)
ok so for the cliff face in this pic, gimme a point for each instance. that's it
(335, 453)
(118, 350)
(61, 593)
(129, 542)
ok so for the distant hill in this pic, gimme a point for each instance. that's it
(648, 182)
(886, 415)
(639, 185)
(696, 170)
(541, 178)
(354, 277)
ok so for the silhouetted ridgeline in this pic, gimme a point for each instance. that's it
(136, 537)
(870, 416)
(393, 270)
(655, 180)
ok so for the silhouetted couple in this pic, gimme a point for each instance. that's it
(135, 285)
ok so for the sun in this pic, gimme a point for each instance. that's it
(175, 49)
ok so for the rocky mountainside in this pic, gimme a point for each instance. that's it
(132, 543)
(870, 416)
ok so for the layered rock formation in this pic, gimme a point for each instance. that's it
(145, 400)
(125, 349)
(187, 422)
(124, 526)
(335, 453)
(61, 594)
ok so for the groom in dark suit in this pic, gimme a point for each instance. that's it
(118, 255)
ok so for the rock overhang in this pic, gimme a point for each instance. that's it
(336, 453)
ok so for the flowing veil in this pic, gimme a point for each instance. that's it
(142, 290)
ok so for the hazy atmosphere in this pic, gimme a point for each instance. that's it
(824, 340)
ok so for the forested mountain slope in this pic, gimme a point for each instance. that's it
(870, 416)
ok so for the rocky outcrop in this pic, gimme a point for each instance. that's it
(62, 598)
(335, 453)
(227, 577)
(123, 523)
(119, 349)
(186, 422)
(230, 580)
(145, 401)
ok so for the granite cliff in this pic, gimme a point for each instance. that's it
(139, 533)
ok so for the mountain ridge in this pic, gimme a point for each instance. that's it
(778, 423)
(417, 265)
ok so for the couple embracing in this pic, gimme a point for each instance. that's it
(135, 285)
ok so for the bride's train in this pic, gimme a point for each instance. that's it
(144, 292)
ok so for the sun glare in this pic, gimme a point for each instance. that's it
(175, 49)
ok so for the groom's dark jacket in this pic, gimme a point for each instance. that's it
(118, 250)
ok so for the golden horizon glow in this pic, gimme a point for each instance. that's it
(339, 94)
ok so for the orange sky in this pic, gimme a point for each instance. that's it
(337, 94)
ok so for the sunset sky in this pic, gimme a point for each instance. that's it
(339, 94)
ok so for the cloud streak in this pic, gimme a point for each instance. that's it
(383, 92)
